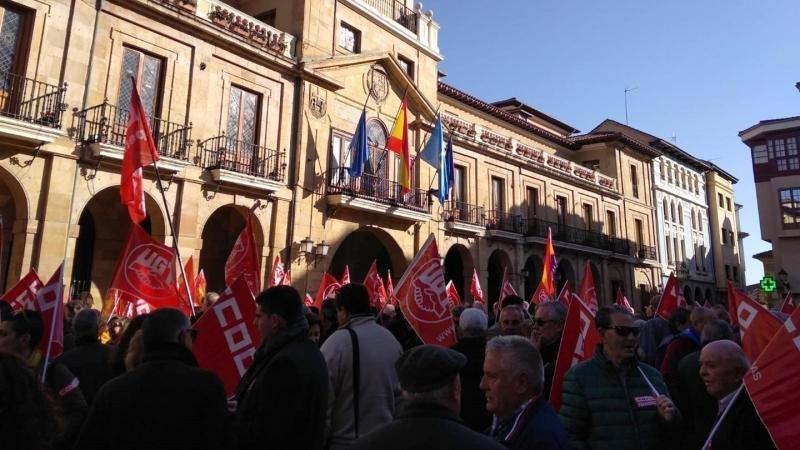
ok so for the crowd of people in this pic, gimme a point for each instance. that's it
(348, 376)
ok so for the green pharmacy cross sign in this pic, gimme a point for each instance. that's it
(768, 284)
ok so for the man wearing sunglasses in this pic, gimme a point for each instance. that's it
(548, 323)
(613, 401)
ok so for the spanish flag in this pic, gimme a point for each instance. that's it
(550, 266)
(398, 143)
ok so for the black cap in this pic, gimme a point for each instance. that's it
(428, 367)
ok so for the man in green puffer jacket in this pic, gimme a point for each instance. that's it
(607, 403)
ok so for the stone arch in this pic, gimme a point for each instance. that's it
(499, 261)
(220, 231)
(565, 272)
(14, 213)
(533, 268)
(104, 224)
(458, 268)
(363, 246)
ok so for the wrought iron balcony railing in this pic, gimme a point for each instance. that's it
(108, 124)
(463, 212)
(645, 252)
(375, 188)
(503, 221)
(565, 233)
(397, 11)
(226, 153)
(31, 101)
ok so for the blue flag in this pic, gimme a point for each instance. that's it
(432, 152)
(358, 147)
(449, 169)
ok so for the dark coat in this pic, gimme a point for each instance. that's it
(283, 396)
(605, 407)
(549, 354)
(90, 362)
(742, 429)
(424, 426)
(684, 343)
(473, 399)
(698, 407)
(539, 428)
(165, 403)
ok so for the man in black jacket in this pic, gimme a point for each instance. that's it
(283, 397)
(89, 360)
(548, 324)
(429, 416)
(472, 344)
(166, 402)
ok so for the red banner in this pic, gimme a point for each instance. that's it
(506, 288)
(541, 295)
(345, 275)
(475, 287)
(227, 337)
(374, 285)
(327, 288)
(390, 288)
(146, 270)
(243, 259)
(452, 294)
(578, 341)
(278, 273)
(586, 290)
(669, 299)
(200, 288)
(23, 294)
(788, 304)
(773, 383)
(565, 297)
(50, 304)
(308, 300)
(623, 301)
(140, 151)
(423, 298)
(757, 325)
(187, 299)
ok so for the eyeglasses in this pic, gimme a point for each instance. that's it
(541, 322)
(625, 331)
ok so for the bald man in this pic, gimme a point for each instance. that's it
(723, 364)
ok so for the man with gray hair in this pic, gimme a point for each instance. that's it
(513, 379)
(89, 360)
(548, 324)
(431, 388)
(472, 344)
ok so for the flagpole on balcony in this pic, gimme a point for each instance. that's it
(363, 108)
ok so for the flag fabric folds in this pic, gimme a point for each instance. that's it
(359, 149)
(278, 273)
(140, 152)
(390, 288)
(243, 259)
(200, 288)
(788, 304)
(374, 284)
(475, 288)
(550, 266)
(398, 143)
(669, 299)
(345, 275)
(422, 296)
(757, 325)
(23, 294)
(506, 288)
(586, 291)
(565, 297)
(578, 341)
(440, 157)
(50, 303)
(540, 296)
(327, 288)
(187, 299)
(623, 301)
(452, 294)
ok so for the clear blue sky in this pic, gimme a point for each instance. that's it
(704, 69)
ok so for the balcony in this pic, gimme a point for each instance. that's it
(32, 102)
(645, 252)
(411, 25)
(397, 11)
(502, 225)
(536, 231)
(245, 164)
(371, 193)
(103, 128)
(464, 218)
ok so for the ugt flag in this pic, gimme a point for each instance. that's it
(578, 341)
(50, 303)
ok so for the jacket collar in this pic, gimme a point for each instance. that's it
(604, 362)
(169, 351)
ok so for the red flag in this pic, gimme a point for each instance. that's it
(327, 288)
(475, 287)
(146, 270)
(140, 152)
(23, 294)
(541, 296)
(506, 287)
(757, 325)
(423, 298)
(669, 299)
(287, 278)
(243, 259)
(278, 273)
(586, 290)
(550, 266)
(565, 297)
(390, 288)
(308, 300)
(452, 294)
(578, 341)
(773, 383)
(227, 337)
(130, 309)
(623, 301)
(346, 275)
(50, 304)
(374, 284)
(788, 304)
(200, 288)
(187, 299)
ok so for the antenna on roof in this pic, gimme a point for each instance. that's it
(674, 138)
(626, 101)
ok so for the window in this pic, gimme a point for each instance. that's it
(728, 203)
(561, 210)
(703, 257)
(666, 210)
(593, 164)
(790, 207)
(669, 173)
(731, 239)
(680, 214)
(349, 38)
(669, 252)
(498, 195)
(268, 17)
(760, 154)
(611, 223)
(12, 28)
(694, 221)
(697, 256)
(663, 170)
(677, 254)
(146, 69)
(532, 195)
(735, 273)
(242, 126)
(587, 216)
(459, 186)
(634, 181)
(724, 236)
(696, 185)
(407, 65)
(672, 211)
(683, 250)
(639, 228)
(784, 151)
(340, 158)
(720, 200)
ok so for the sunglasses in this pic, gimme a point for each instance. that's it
(625, 331)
